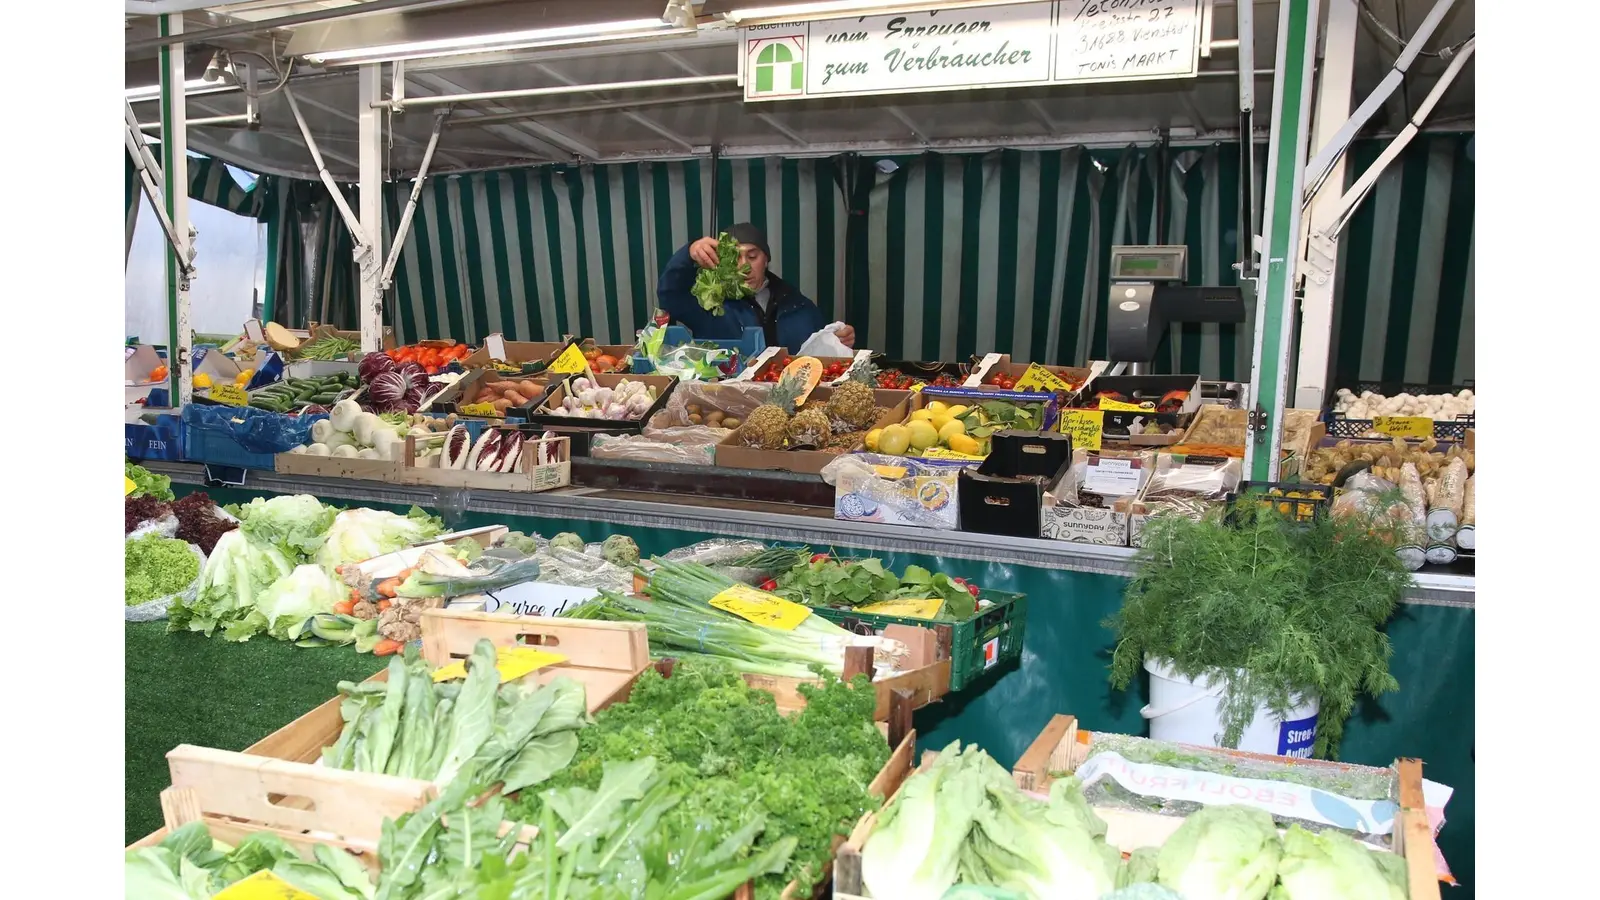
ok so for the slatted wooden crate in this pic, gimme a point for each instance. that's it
(1063, 746)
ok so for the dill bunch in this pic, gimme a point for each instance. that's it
(1281, 609)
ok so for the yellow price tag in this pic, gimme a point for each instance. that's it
(1417, 427)
(485, 410)
(916, 608)
(570, 362)
(1038, 378)
(1085, 426)
(128, 486)
(760, 607)
(264, 885)
(917, 388)
(1115, 406)
(511, 662)
(230, 395)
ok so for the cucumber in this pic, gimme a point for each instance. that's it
(325, 398)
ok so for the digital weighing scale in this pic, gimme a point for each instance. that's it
(1148, 295)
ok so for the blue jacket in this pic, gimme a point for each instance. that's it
(791, 318)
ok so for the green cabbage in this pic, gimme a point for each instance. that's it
(1222, 853)
(361, 534)
(1331, 865)
(620, 550)
(237, 572)
(283, 609)
(297, 524)
(1045, 850)
(567, 540)
(912, 853)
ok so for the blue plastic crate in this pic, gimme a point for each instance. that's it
(240, 437)
(217, 449)
(749, 346)
(162, 440)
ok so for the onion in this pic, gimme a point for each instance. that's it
(373, 365)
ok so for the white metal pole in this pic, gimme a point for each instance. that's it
(175, 180)
(400, 230)
(1334, 81)
(370, 130)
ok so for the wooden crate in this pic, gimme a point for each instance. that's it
(528, 476)
(847, 859)
(1063, 746)
(602, 655)
(925, 684)
(337, 467)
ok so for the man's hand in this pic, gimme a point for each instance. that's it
(704, 252)
(846, 336)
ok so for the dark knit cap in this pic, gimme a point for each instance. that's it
(745, 233)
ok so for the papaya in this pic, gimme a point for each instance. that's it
(808, 371)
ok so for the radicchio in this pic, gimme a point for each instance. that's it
(373, 365)
(388, 388)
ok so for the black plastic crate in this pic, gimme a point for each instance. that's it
(1443, 429)
(1299, 502)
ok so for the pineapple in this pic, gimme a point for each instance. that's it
(852, 403)
(767, 425)
(810, 429)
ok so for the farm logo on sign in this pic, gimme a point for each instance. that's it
(776, 67)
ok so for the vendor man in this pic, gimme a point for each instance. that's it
(787, 316)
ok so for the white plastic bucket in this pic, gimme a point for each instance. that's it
(1189, 712)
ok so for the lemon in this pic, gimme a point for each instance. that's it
(894, 440)
(940, 420)
(952, 429)
(872, 439)
(202, 380)
(957, 412)
(961, 443)
(923, 435)
(922, 415)
(937, 406)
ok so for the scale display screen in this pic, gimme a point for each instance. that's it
(1148, 263)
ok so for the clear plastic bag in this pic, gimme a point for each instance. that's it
(166, 526)
(736, 399)
(826, 343)
(1077, 490)
(715, 552)
(644, 449)
(558, 565)
(155, 610)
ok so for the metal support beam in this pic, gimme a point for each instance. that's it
(175, 182)
(350, 220)
(899, 115)
(1246, 23)
(369, 8)
(144, 162)
(1334, 80)
(369, 258)
(1320, 165)
(640, 119)
(767, 119)
(348, 116)
(399, 240)
(485, 96)
(241, 119)
(534, 136)
(1286, 153)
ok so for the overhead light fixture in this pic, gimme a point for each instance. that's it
(220, 70)
(510, 40)
(827, 9)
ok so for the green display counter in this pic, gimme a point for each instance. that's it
(1063, 668)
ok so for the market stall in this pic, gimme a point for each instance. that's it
(602, 480)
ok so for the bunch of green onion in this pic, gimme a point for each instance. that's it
(682, 622)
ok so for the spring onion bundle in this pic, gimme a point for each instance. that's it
(682, 622)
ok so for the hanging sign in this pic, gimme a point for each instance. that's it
(1016, 45)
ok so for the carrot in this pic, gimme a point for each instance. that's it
(386, 587)
(345, 607)
(386, 647)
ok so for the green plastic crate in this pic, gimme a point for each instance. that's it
(975, 645)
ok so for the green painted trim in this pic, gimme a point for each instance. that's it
(1278, 298)
(168, 163)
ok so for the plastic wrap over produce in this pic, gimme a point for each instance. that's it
(257, 431)
(715, 552)
(893, 490)
(558, 565)
(640, 448)
(155, 610)
(712, 404)
(166, 526)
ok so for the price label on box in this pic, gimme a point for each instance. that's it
(230, 395)
(1117, 406)
(570, 362)
(923, 608)
(264, 885)
(1038, 378)
(1085, 426)
(760, 607)
(511, 662)
(1417, 427)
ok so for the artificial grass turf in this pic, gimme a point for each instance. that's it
(190, 689)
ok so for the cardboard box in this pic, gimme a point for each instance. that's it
(452, 398)
(733, 454)
(1151, 387)
(1107, 527)
(1004, 495)
(314, 330)
(517, 352)
(1002, 364)
(775, 365)
(139, 361)
(970, 397)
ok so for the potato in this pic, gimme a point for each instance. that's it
(692, 409)
(694, 419)
(715, 417)
(731, 422)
